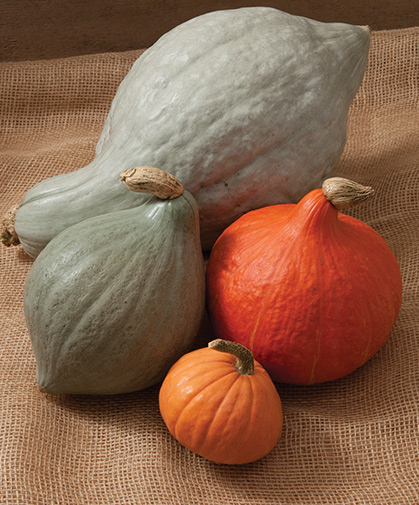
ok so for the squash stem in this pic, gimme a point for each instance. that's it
(344, 193)
(8, 235)
(244, 362)
(152, 180)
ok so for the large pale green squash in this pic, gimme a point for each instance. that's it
(247, 107)
(112, 302)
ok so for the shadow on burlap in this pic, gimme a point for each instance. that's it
(352, 441)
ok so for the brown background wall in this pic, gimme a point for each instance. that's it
(44, 29)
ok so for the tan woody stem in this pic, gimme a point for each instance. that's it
(244, 362)
(8, 235)
(344, 193)
(152, 180)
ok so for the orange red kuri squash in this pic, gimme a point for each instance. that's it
(222, 405)
(311, 292)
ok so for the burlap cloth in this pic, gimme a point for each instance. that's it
(353, 441)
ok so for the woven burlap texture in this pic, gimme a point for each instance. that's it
(351, 441)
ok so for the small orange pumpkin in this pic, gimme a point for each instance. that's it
(222, 405)
(311, 292)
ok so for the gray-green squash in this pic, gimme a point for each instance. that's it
(247, 107)
(111, 302)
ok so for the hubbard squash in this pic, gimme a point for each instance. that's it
(221, 404)
(113, 301)
(313, 293)
(220, 101)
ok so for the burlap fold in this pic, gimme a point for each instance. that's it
(352, 441)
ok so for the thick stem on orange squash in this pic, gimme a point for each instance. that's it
(344, 193)
(244, 362)
(152, 180)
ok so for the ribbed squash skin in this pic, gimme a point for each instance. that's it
(216, 412)
(113, 301)
(220, 101)
(312, 293)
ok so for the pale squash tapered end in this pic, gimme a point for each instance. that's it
(152, 180)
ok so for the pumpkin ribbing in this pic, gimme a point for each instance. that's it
(216, 411)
